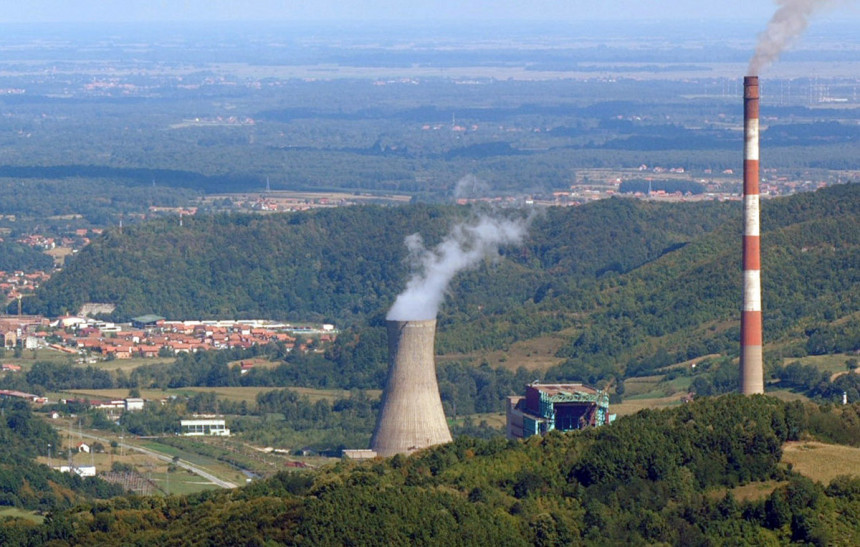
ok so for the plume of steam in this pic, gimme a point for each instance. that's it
(471, 186)
(789, 22)
(465, 246)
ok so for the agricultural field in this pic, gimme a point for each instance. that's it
(234, 394)
(822, 462)
(834, 364)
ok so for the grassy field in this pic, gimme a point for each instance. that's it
(28, 357)
(755, 491)
(59, 254)
(632, 406)
(14, 512)
(128, 365)
(825, 363)
(181, 482)
(493, 419)
(534, 354)
(237, 394)
(656, 387)
(822, 462)
(786, 395)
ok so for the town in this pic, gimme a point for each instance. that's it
(91, 340)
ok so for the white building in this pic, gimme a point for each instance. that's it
(83, 471)
(200, 427)
(133, 403)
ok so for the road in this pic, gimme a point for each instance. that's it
(180, 463)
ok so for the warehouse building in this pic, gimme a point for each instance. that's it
(200, 427)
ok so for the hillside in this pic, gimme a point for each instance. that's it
(347, 264)
(686, 304)
(25, 484)
(656, 477)
(628, 286)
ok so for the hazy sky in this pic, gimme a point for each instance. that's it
(415, 10)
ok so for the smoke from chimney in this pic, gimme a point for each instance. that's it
(464, 247)
(789, 22)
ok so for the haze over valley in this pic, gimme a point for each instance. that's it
(209, 224)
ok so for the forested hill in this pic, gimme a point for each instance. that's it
(686, 304)
(349, 263)
(623, 280)
(658, 477)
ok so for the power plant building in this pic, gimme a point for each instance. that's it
(562, 407)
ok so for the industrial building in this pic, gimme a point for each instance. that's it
(214, 427)
(562, 407)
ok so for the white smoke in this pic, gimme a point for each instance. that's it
(471, 186)
(465, 246)
(789, 22)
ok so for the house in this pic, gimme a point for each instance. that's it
(9, 338)
(83, 447)
(148, 350)
(133, 404)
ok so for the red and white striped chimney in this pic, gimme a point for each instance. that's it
(752, 369)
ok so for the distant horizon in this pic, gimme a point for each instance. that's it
(751, 21)
(709, 30)
(420, 11)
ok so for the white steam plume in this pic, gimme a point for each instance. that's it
(464, 247)
(789, 22)
(471, 186)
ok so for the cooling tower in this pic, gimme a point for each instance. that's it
(411, 417)
(752, 370)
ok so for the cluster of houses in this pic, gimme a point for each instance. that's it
(152, 336)
(18, 283)
(74, 240)
(22, 331)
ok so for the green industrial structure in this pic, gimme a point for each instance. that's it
(562, 407)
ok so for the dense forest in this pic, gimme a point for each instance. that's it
(348, 263)
(15, 256)
(655, 477)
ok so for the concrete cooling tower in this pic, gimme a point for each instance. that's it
(411, 417)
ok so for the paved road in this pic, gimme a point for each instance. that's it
(183, 464)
